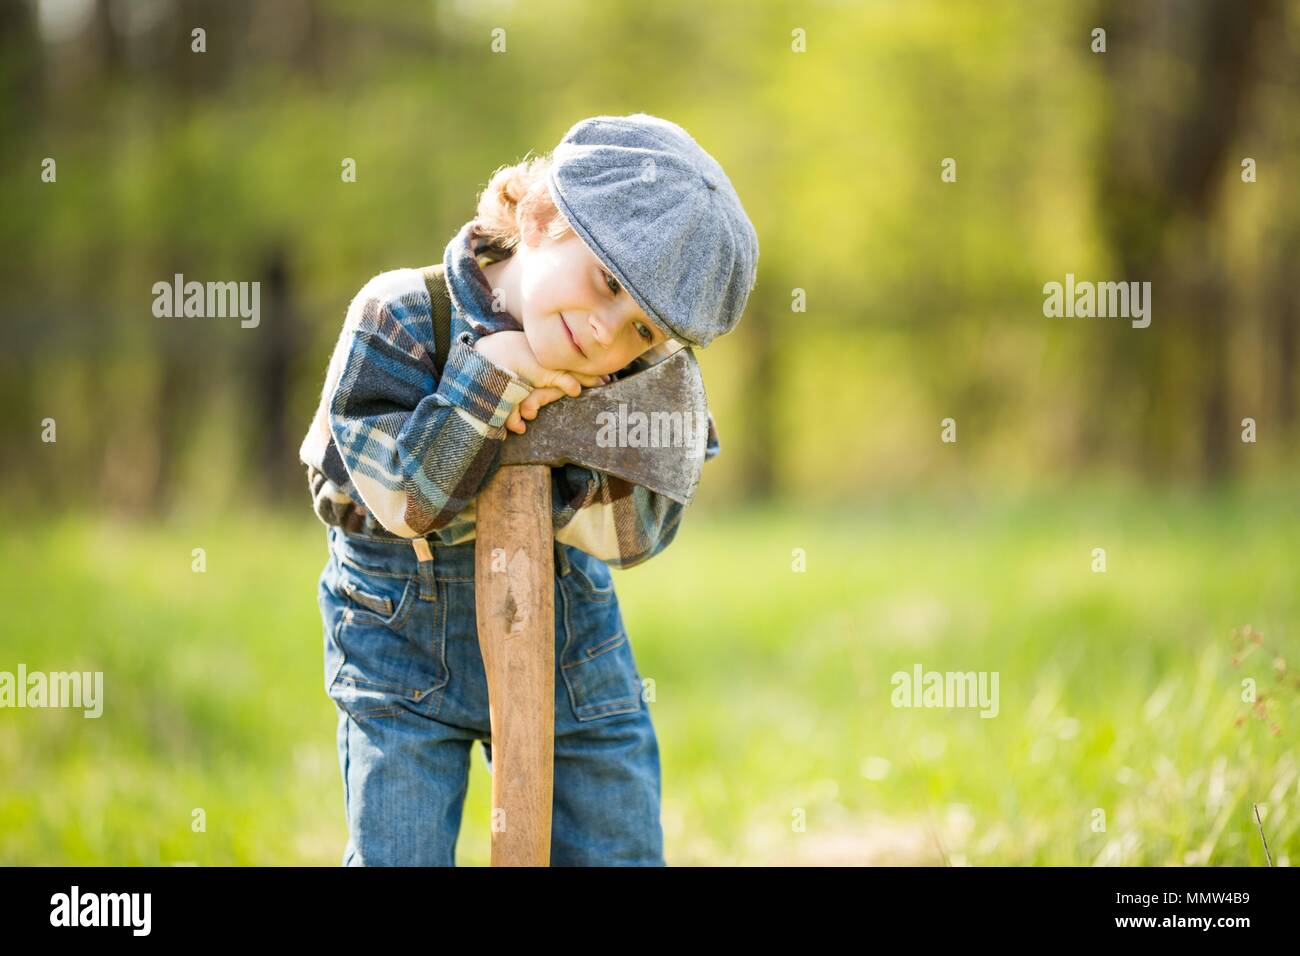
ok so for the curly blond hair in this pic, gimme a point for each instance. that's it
(518, 193)
(515, 194)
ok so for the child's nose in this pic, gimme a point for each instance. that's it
(601, 329)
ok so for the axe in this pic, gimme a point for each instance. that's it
(514, 566)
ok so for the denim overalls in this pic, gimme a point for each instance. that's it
(404, 670)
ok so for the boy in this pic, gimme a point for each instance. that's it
(626, 244)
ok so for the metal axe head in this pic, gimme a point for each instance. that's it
(650, 427)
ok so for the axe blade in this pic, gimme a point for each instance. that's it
(650, 428)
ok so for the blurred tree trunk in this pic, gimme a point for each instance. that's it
(1283, 329)
(1163, 158)
(275, 443)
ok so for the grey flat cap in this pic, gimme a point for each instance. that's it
(663, 217)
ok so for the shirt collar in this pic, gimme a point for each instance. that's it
(471, 296)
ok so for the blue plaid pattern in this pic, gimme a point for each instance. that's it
(395, 449)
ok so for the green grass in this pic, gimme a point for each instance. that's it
(772, 687)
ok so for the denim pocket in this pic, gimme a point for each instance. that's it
(375, 594)
(385, 646)
(592, 574)
(596, 661)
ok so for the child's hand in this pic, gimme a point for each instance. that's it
(511, 351)
(527, 409)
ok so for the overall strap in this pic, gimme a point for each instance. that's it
(435, 282)
(440, 305)
(428, 581)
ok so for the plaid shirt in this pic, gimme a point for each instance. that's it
(396, 450)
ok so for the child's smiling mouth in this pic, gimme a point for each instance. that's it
(572, 337)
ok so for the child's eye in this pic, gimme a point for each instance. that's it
(608, 279)
(644, 332)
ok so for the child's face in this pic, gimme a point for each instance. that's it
(567, 294)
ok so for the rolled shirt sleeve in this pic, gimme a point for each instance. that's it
(417, 448)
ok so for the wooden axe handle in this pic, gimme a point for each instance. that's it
(514, 581)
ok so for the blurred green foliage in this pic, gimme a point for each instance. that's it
(772, 689)
(923, 297)
(924, 301)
